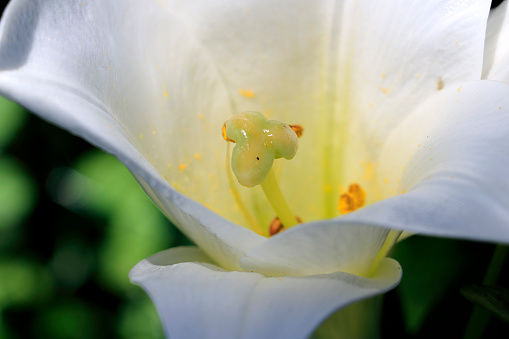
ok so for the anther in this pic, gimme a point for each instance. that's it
(346, 204)
(353, 199)
(276, 226)
(358, 195)
(224, 134)
(298, 129)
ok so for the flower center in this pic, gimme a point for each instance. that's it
(258, 142)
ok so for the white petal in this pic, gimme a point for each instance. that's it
(496, 50)
(200, 300)
(102, 72)
(317, 247)
(450, 156)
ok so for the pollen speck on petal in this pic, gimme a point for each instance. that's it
(246, 93)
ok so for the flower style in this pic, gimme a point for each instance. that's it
(391, 100)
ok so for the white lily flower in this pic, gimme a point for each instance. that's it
(389, 95)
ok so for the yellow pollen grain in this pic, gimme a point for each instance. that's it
(456, 42)
(141, 136)
(383, 75)
(165, 92)
(440, 84)
(200, 116)
(403, 192)
(182, 167)
(459, 89)
(499, 107)
(170, 165)
(246, 93)
(109, 126)
(154, 132)
(197, 156)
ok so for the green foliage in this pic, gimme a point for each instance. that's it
(17, 195)
(23, 282)
(67, 320)
(494, 299)
(429, 267)
(139, 320)
(12, 117)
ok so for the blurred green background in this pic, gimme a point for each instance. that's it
(73, 221)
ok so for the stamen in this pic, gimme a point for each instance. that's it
(273, 193)
(353, 199)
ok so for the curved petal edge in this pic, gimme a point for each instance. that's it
(200, 300)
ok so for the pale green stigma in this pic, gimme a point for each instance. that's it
(258, 142)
